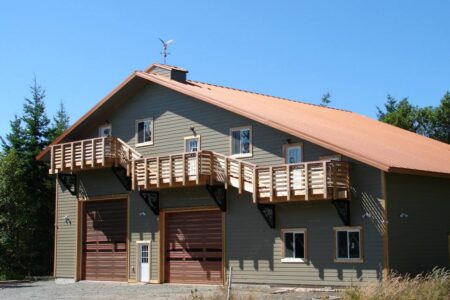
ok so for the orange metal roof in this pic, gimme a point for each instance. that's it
(378, 144)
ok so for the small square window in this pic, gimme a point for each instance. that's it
(241, 142)
(348, 244)
(294, 245)
(105, 130)
(192, 144)
(293, 153)
(144, 132)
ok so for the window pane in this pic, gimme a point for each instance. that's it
(147, 131)
(236, 138)
(342, 244)
(140, 132)
(192, 145)
(288, 244)
(299, 245)
(245, 140)
(354, 244)
(294, 155)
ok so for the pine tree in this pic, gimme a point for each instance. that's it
(26, 193)
(60, 122)
(325, 100)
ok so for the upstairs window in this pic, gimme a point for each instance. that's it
(241, 142)
(293, 153)
(348, 244)
(104, 130)
(192, 144)
(294, 245)
(144, 132)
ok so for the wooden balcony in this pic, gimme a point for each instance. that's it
(304, 181)
(90, 154)
(326, 179)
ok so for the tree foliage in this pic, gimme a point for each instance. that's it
(26, 191)
(433, 122)
(325, 100)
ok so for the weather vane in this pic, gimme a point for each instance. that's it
(165, 46)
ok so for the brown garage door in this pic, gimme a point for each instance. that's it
(193, 247)
(105, 240)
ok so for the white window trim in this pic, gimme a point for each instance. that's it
(190, 138)
(105, 126)
(241, 155)
(285, 150)
(136, 132)
(138, 263)
(348, 229)
(294, 259)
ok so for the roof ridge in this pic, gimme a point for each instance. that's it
(267, 95)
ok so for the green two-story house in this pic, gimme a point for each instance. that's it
(172, 180)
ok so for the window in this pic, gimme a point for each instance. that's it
(144, 132)
(293, 153)
(294, 245)
(104, 130)
(192, 144)
(348, 244)
(241, 142)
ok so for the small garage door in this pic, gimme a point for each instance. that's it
(105, 240)
(193, 247)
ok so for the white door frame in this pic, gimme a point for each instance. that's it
(138, 260)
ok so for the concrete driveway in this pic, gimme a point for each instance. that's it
(106, 290)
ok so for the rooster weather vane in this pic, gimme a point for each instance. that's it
(164, 51)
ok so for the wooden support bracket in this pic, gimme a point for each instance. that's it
(121, 174)
(151, 198)
(343, 210)
(268, 213)
(70, 182)
(219, 194)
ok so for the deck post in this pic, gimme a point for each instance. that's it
(184, 168)
(62, 157)
(306, 182)
(145, 174)
(255, 185)
(240, 177)
(226, 173)
(325, 180)
(197, 169)
(211, 171)
(170, 170)
(158, 171)
(103, 151)
(288, 183)
(93, 153)
(271, 183)
(82, 154)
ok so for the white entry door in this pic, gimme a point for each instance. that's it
(144, 267)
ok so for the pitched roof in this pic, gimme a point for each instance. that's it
(375, 143)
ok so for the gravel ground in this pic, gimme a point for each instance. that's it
(105, 290)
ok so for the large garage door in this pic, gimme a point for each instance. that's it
(193, 245)
(105, 240)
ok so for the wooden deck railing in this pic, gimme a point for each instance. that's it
(304, 181)
(91, 153)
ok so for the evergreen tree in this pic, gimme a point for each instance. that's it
(26, 193)
(325, 100)
(60, 122)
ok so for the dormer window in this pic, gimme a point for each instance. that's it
(144, 132)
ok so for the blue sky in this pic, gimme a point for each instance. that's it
(359, 51)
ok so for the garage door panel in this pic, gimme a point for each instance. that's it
(193, 243)
(104, 240)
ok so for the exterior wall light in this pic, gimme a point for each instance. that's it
(403, 215)
(142, 214)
